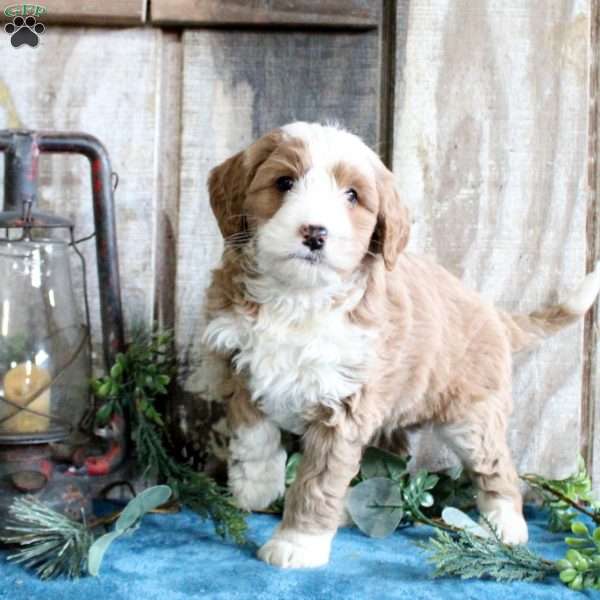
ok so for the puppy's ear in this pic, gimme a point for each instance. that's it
(393, 223)
(228, 182)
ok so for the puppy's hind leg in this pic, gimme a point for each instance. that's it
(479, 440)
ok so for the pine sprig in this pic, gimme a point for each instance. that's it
(194, 489)
(50, 543)
(470, 557)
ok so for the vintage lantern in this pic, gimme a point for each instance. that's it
(47, 444)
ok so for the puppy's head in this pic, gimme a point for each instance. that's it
(315, 200)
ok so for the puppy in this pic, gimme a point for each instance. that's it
(325, 327)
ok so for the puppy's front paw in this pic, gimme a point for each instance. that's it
(508, 522)
(256, 484)
(291, 549)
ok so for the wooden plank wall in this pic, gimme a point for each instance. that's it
(485, 111)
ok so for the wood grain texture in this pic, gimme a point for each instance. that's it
(236, 86)
(168, 147)
(106, 12)
(77, 80)
(591, 372)
(490, 152)
(314, 13)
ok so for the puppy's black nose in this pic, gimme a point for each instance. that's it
(314, 236)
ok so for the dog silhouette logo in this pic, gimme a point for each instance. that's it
(25, 27)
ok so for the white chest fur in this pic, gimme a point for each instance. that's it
(292, 362)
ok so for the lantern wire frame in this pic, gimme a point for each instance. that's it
(26, 224)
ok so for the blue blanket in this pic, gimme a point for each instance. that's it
(176, 557)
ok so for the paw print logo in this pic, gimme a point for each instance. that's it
(24, 31)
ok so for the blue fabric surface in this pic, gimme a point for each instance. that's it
(178, 557)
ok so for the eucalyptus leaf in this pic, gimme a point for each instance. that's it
(127, 522)
(375, 505)
(458, 519)
(380, 463)
(98, 549)
(143, 503)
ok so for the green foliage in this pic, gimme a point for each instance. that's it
(50, 543)
(385, 495)
(376, 505)
(454, 489)
(139, 378)
(53, 544)
(129, 520)
(470, 557)
(565, 497)
(467, 556)
(380, 463)
(580, 568)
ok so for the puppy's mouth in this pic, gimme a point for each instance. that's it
(313, 258)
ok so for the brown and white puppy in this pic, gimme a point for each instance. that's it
(328, 329)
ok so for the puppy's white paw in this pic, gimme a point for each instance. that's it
(291, 549)
(507, 521)
(256, 484)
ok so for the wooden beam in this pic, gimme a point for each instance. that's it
(364, 14)
(107, 12)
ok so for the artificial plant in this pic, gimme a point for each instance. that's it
(385, 495)
(52, 544)
(136, 382)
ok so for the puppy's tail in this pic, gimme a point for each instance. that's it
(527, 331)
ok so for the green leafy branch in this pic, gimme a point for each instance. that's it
(468, 556)
(565, 498)
(136, 382)
(385, 495)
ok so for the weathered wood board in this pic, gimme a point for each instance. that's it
(591, 373)
(107, 12)
(333, 13)
(236, 86)
(490, 152)
(77, 80)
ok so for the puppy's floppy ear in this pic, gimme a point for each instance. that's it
(228, 182)
(393, 223)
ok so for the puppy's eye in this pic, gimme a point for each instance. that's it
(352, 196)
(284, 184)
